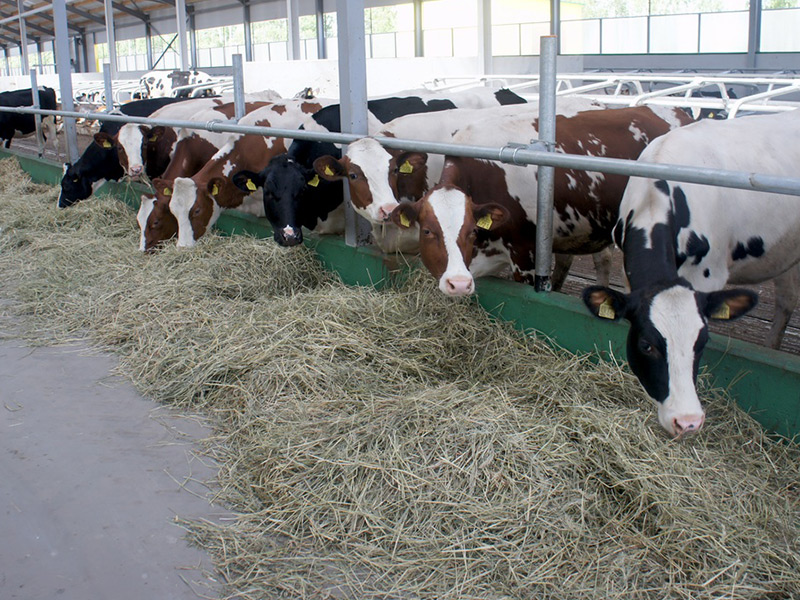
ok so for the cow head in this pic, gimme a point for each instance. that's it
(668, 331)
(449, 224)
(74, 187)
(132, 143)
(283, 182)
(377, 177)
(155, 220)
(194, 207)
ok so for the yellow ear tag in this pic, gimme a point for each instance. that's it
(250, 185)
(404, 221)
(153, 138)
(314, 181)
(107, 144)
(406, 168)
(485, 222)
(723, 312)
(606, 311)
(167, 192)
(215, 190)
(328, 171)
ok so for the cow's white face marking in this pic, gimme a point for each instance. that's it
(374, 161)
(131, 138)
(184, 195)
(675, 315)
(64, 169)
(145, 208)
(227, 168)
(450, 207)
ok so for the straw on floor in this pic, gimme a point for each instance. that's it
(398, 444)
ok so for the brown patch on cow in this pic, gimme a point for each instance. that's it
(228, 109)
(411, 185)
(310, 108)
(161, 225)
(279, 108)
(157, 154)
(191, 154)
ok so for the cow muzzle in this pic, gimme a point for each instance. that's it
(681, 424)
(385, 211)
(457, 285)
(135, 171)
(289, 236)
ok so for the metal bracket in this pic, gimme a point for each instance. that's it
(514, 148)
(210, 124)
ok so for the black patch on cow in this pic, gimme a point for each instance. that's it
(505, 96)
(697, 247)
(706, 273)
(662, 186)
(680, 209)
(754, 248)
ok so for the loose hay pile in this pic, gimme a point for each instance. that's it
(398, 444)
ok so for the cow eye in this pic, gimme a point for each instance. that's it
(353, 176)
(156, 223)
(75, 179)
(646, 348)
(426, 232)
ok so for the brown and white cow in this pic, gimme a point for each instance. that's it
(195, 202)
(481, 216)
(193, 149)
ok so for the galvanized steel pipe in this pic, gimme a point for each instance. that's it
(545, 183)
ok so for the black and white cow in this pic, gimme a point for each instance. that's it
(293, 182)
(99, 164)
(161, 84)
(683, 242)
(12, 124)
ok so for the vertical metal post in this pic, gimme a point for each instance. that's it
(8, 62)
(555, 20)
(754, 37)
(546, 175)
(352, 98)
(110, 37)
(419, 39)
(192, 38)
(109, 87)
(248, 31)
(484, 37)
(76, 48)
(37, 119)
(238, 87)
(322, 50)
(23, 40)
(293, 22)
(180, 17)
(65, 76)
(148, 44)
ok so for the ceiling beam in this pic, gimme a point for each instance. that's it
(86, 15)
(128, 11)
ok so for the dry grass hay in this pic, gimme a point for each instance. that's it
(398, 444)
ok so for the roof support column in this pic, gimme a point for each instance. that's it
(192, 39)
(65, 76)
(419, 40)
(484, 37)
(8, 63)
(754, 37)
(23, 40)
(319, 12)
(180, 17)
(248, 31)
(293, 21)
(352, 98)
(76, 48)
(148, 44)
(110, 38)
(555, 20)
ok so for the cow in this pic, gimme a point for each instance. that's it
(24, 125)
(193, 149)
(195, 202)
(379, 178)
(162, 84)
(481, 216)
(98, 164)
(293, 182)
(683, 242)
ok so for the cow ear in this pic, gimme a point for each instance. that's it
(605, 303)
(407, 163)
(163, 187)
(405, 215)
(155, 133)
(215, 184)
(729, 304)
(104, 140)
(329, 168)
(490, 216)
(248, 181)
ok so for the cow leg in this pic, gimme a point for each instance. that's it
(602, 265)
(49, 125)
(787, 291)
(560, 270)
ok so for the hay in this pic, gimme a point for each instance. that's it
(397, 444)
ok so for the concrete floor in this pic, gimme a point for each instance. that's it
(92, 476)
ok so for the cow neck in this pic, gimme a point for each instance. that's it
(160, 153)
(191, 154)
(649, 255)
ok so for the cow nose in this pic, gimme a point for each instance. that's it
(290, 236)
(459, 285)
(687, 424)
(385, 211)
(136, 170)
